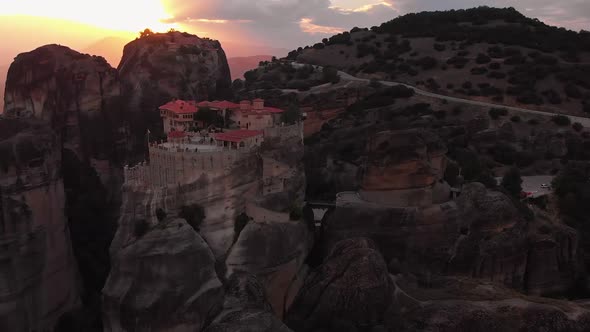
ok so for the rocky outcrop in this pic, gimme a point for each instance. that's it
(275, 253)
(538, 257)
(351, 285)
(403, 159)
(158, 67)
(161, 281)
(245, 308)
(419, 238)
(38, 277)
(78, 95)
(462, 305)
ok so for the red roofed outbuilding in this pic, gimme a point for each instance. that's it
(241, 138)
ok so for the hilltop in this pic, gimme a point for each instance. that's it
(487, 54)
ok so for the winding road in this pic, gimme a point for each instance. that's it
(345, 76)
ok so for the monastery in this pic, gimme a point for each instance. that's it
(188, 153)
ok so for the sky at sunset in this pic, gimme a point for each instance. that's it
(84, 25)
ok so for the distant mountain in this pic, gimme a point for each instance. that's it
(3, 72)
(235, 49)
(111, 48)
(240, 65)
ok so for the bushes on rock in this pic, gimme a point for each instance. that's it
(515, 118)
(496, 113)
(140, 228)
(194, 215)
(479, 70)
(497, 75)
(512, 182)
(482, 59)
(239, 223)
(577, 126)
(439, 47)
(572, 91)
(561, 120)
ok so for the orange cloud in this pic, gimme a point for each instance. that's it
(307, 25)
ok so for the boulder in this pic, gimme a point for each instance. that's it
(275, 253)
(352, 285)
(164, 280)
(245, 308)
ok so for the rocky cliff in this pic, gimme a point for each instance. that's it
(78, 95)
(38, 277)
(161, 281)
(252, 223)
(158, 67)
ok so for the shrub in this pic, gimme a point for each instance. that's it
(497, 75)
(439, 47)
(319, 46)
(586, 106)
(239, 223)
(467, 85)
(577, 126)
(458, 62)
(194, 215)
(295, 212)
(482, 59)
(440, 114)
(495, 52)
(496, 113)
(515, 118)
(457, 110)
(160, 214)
(140, 228)
(572, 91)
(533, 122)
(374, 83)
(529, 97)
(495, 65)
(561, 120)
(427, 62)
(512, 182)
(479, 70)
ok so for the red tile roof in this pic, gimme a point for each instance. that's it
(224, 104)
(237, 135)
(180, 107)
(176, 134)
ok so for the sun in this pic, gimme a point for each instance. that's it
(119, 15)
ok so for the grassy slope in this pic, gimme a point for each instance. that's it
(536, 64)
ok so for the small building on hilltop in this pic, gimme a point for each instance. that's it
(179, 115)
(256, 116)
(239, 139)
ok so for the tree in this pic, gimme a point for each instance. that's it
(194, 215)
(237, 84)
(140, 228)
(292, 115)
(239, 223)
(145, 33)
(209, 117)
(330, 75)
(160, 214)
(512, 182)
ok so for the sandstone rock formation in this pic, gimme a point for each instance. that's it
(162, 66)
(164, 280)
(275, 253)
(78, 95)
(539, 257)
(245, 308)
(38, 277)
(463, 305)
(352, 285)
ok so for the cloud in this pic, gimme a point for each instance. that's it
(290, 23)
(307, 26)
(286, 23)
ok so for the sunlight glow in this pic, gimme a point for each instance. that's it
(122, 15)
